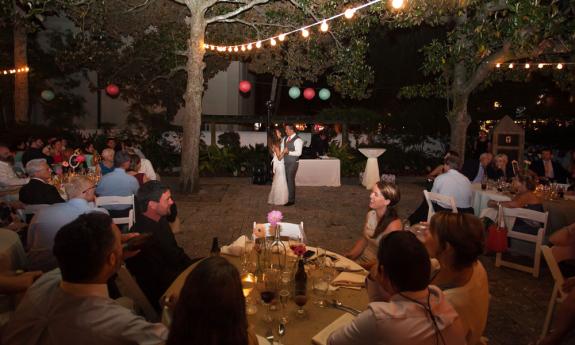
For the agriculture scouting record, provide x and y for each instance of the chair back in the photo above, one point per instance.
(553, 267)
(119, 200)
(129, 287)
(439, 198)
(286, 230)
(557, 296)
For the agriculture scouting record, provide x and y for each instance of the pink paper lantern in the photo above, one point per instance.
(309, 93)
(112, 90)
(245, 86)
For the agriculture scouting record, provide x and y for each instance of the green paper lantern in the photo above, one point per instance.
(294, 92)
(47, 95)
(324, 94)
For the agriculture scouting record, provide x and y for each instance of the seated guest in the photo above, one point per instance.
(17, 283)
(162, 260)
(525, 198)
(57, 151)
(563, 241)
(107, 163)
(454, 184)
(71, 305)
(118, 183)
(111, 144)
(417, 313)
(456, 241)
(89, 152)
(381, 219)
(46, 224)
(38, 190)
(500, 168)
(8, 178)
(476, 170)
(129, 146)
(36, 145)
(564, 321)
(133, 170)
(440, 169)
(223, 320)
(147, 169)
(548, 168)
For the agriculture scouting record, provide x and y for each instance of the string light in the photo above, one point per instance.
(323, 27)
(24, 69)
(527, 66)
(559, 66)
(510, 66)
(397, 4)
(540, 65)
(498, 65)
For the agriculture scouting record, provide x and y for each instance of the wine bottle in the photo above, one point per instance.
(215, 247)
(300, 279)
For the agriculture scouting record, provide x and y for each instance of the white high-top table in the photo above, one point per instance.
(371, 173)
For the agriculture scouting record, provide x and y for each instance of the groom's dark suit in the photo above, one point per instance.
(291, 162)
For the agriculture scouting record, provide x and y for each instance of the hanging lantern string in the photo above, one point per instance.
(528, 65)
(24, 69)
(304, 30)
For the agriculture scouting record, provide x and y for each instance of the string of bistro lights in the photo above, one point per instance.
(539, 65)
(24, 69)
(304, 31)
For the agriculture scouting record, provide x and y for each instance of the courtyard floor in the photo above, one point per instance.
(333, 219)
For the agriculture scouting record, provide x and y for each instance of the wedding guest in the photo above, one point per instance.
(89, 153)
(133, 170)
(564, 321)
(128, 145)
(563, 241)
(71, 305)
(159, 263)
(8, 178)
(118, 183)
(46, 224)
(476, 169)
(525, 198)
(223, 320)
(14, 284)
(416, 313)
(501, 168)
(440, 169)
(111, 144)
(147, 169)
(548, 168)
(454, 184)
(39, 190)
(36, 145)
(456, 241)
(381, 220)
(107, 163)
(56, 150)
(482, 144)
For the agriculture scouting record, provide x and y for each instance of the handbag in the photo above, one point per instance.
(497, 235)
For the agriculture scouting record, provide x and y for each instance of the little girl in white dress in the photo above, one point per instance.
(279, 193)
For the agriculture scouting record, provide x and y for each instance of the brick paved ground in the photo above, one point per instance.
(333, 218)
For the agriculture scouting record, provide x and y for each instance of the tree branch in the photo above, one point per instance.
(487, 66)
(311, 14)
(170, 74)
(137, 7)
(235, 12)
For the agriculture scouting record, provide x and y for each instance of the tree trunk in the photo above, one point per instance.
(190, 174)
(459, 120)
(21, 98)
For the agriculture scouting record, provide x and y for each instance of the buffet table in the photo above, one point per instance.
(319, 172)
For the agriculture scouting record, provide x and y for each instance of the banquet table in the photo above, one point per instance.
(298, 330)
(12, 254)
(561, 212)
(371, 173)
(319, 172)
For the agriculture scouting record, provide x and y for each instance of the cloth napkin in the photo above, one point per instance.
(349, 280)
(236, 248)
(341, 263)
(321, 337)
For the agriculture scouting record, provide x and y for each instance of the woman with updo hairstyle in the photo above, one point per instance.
(381, 219)
(456, 240)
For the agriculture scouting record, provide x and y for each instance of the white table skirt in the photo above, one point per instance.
(318, 172)
(371, 173)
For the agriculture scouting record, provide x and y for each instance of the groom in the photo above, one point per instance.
(292, 150)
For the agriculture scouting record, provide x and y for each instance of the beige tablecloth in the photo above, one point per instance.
(318, 172)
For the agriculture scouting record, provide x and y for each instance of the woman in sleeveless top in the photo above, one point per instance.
(279, 193)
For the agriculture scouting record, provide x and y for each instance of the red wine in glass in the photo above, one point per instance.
(300, 300)
(267, 296)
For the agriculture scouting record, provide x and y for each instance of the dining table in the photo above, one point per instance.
(561, 211)
(299, 330)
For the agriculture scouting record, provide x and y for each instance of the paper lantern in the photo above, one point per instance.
(324, 94)
(309, 93)
(112, 90)
(294, 92)
(245, 86)
(47, 95)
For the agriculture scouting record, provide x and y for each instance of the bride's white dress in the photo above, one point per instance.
(279, 193)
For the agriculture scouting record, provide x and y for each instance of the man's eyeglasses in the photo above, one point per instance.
(88, 189)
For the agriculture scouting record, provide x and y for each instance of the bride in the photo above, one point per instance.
(279, 193)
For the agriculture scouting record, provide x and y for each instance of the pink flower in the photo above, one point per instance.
(299, 250)
(274, 217)
(80, 159)
(65, 164)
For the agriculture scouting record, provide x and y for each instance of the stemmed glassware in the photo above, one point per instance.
(249, 281)
(284, 298)
(268, 286)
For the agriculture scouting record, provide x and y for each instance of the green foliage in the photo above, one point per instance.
(239, 161)
(230, 140)
(352, 161)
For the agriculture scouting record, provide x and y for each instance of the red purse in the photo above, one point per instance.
(497, 235)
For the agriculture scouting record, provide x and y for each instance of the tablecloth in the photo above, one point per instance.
(318, 172)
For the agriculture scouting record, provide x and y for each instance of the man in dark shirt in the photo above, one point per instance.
(161, 260)
(38, 190)
(35, 151)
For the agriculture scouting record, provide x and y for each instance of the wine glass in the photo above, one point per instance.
(300, 300)
(248, 248)
(249, 281)
(268, 287)
(322, 279)
(284, 298)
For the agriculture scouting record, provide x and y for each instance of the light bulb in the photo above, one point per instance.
(397, 4)
(527, 65)
(305, 33)
(324, 27)
(498, 65)
(559, 66)
(510, 65)
(282, 37)
(205, 46)
(243, 48)
(273, 42)
(349, 13)
(258, 44)
(236, 49)
(230, 49)
(249, 46)
(540, 65)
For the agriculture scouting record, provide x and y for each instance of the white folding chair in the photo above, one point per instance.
(439, 198)
(287, 230)
(129, 287)
(557, 296)
(119, 200)
(527, 214)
